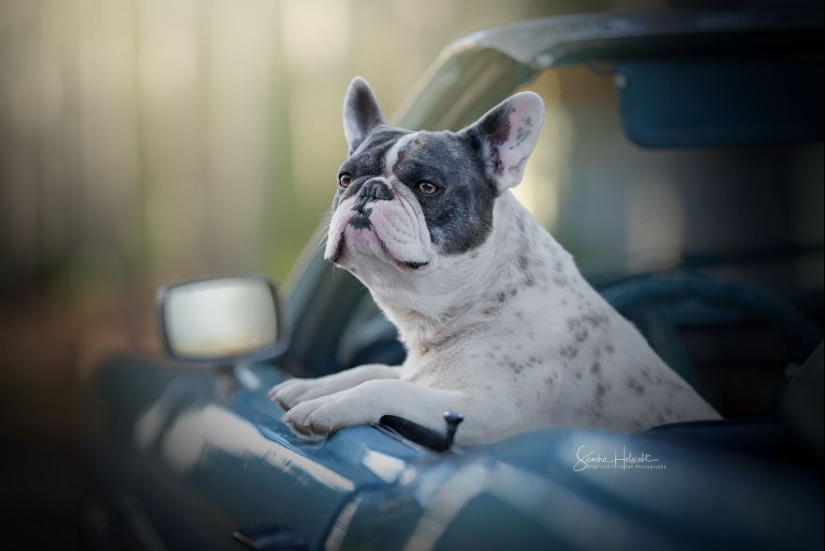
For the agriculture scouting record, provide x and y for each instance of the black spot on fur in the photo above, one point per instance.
(635, 386)
(595, 368)
(514, 366)
(577, 327)
(569, 351)
(524, 132)
(361, 221)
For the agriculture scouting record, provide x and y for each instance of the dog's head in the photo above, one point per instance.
(406, 200)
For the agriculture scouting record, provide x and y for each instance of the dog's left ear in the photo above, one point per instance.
(361, 113)
(507, 135)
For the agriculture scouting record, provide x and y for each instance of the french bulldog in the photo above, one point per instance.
(497, 321)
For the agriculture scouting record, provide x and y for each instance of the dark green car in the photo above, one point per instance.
(681, 160)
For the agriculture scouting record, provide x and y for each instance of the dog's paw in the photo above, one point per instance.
(323, 416)
(294, 391)
(309, 420)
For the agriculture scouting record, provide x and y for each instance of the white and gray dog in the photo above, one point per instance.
(497, 321)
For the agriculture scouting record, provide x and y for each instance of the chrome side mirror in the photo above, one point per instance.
(224, 320)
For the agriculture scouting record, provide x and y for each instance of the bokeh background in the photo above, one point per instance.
(149, 141)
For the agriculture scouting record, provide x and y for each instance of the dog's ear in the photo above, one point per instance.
(361, 113)
(506, 136)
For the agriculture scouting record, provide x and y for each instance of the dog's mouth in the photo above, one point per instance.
(340, 253)
(414, 265)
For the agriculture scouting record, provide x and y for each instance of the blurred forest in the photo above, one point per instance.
(148, 141)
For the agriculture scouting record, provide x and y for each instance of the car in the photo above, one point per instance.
(190, 453)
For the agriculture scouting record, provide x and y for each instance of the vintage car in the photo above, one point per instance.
(191, 454)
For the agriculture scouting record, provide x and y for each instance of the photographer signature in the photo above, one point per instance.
(592, 459)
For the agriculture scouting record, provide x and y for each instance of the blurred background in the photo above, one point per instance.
(149, 141)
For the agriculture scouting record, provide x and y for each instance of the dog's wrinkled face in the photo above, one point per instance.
(405, 199)
(406, 196)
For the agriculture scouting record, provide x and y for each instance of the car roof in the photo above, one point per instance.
(475, 71)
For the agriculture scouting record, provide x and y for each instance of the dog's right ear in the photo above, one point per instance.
(361, 113)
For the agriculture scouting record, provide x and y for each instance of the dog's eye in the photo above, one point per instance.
(427, 188)
(344, 180)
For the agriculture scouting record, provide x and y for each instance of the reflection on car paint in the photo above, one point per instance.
(215, 430)
(150, 423)
(340, 527)
(386, 467)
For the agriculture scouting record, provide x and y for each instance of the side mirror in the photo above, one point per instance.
(224, 320)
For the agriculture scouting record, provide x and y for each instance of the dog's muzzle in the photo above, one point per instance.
(376, 189)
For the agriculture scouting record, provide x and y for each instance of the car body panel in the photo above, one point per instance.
(218, 432)
(218, 435)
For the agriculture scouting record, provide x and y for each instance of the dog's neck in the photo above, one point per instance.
(473, 289)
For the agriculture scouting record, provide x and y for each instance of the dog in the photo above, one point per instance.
(497, 322)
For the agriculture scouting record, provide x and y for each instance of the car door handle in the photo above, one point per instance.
(422, 435)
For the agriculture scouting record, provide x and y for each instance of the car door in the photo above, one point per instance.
(199, 458)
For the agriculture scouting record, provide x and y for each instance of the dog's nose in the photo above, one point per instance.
(376, 189)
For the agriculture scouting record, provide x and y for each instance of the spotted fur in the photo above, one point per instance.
(498, 323)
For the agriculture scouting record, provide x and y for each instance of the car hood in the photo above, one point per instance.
(213, 438)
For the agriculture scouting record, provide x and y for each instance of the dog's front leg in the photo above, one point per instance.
(294, 391)
(366, 403)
